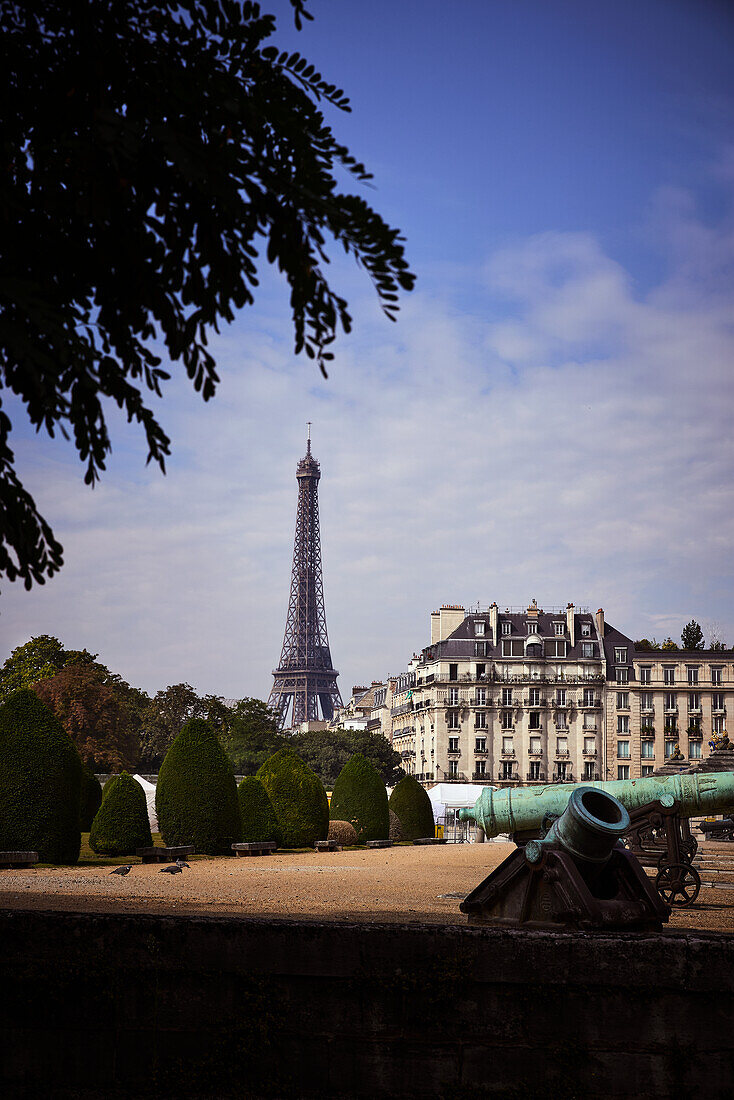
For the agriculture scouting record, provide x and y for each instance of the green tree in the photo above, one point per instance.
(38, 659)
(327, 751)
(249, 735)
(359, 796)
(646, 645)
(412, 806)
(40, 782)
(150, 152)
(692, 636)
(258, 816)
(121, 824)
(196, 794)
(298, 798)
(668, 644)
(166, 714)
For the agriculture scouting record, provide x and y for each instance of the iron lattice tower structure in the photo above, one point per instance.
(305, 676)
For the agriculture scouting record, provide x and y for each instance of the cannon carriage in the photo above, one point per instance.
(661, 839)
(722, 829)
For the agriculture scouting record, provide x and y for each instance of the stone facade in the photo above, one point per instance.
(529, 695)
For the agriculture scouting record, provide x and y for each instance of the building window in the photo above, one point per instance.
(620, 656)
(669, 674)
(588, 697)
(506, 628)
(717, 700)
(623, 771)
(453, 672)
(508, 746)
(669, 748)
(588, 649)
(623, 700)
(512, 648)
(481, 672)
(646, 700)
(534, 769)
(480, 744)
(561, 697)
(694, 750)
(589, 767)
(623, 750)
(715, 675)
(671, 700)
(586, 630)
(622, 675)
(452, 720)
(559, 629)
(562, 746)
(453, 744)
(480, 720)
(507, 766)
(534, 722)
(717, 724)
(692, 674)
(694, 701)
(480, 767)
(623, 723)
(506, 697)
(647, 769)
(480, 649)
(647, 750)
(479, 628)
(453, 697)
(561, 719)
(694, 725)
(589, 744)
(645, 674)
(555, 648)
(534, 697)
(535, 746)
(532, 628)
(481, 697)
(507, 720)
(453, 767)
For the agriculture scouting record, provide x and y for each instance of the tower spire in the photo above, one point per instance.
(305, 677)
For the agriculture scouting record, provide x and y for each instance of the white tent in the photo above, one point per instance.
(453, 796)
(149, 789)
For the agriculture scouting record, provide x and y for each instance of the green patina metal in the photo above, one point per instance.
(517, 809)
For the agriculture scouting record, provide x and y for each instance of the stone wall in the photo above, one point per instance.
(113, 1006)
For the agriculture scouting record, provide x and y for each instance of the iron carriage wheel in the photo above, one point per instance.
(678, 884)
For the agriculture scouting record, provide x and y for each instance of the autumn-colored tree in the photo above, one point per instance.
(86, 698)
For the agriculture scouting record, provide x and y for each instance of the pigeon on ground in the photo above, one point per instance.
(171, 870)
(122, 870)
(181, 863)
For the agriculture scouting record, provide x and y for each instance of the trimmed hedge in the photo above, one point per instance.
(196, 795)
(298, 798)
(91, 798)
(343, 832)
(359, 796)
(258, 816)
(121, 824)
(413, 808)
(40, 782)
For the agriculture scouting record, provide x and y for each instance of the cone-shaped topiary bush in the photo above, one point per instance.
(413, 808)
(298, 798)
(121, 823)
(196, 795)
(359, 796)
(40, 782)
(258, 816)
(91, 798)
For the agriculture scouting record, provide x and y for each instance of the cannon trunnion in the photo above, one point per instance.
(577, 876)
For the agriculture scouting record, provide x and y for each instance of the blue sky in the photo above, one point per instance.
(552, 415)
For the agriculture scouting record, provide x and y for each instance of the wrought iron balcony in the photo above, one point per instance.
(539, 778)
(512, 778)
(480, 775)
(590, 752)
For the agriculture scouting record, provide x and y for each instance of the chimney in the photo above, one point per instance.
(571, 624)
(435, 627)
(600, 623)
(493, 622)
(450, 616)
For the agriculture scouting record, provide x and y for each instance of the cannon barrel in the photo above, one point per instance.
(523, 808)
(588, 828)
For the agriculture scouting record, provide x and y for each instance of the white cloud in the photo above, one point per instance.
(577, 448)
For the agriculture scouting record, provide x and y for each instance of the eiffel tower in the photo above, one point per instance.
(305, 676)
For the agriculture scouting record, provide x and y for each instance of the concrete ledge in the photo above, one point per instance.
(327, 846)
(113, 1006)
(379, 844)
(255, 848)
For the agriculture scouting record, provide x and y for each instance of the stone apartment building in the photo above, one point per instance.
(530, 695)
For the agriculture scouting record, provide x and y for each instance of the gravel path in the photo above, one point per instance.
(395, 884)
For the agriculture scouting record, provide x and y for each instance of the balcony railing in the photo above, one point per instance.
(481, 752)
(534, 701)
(591, 777)
(535, 752)
(511, 778)
(562, 754)
(480, 775)
(590, 752)
(562, 777)
(589, 704)
(539, 778)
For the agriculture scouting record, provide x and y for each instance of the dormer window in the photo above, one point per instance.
(479, 627)
(532, 627)
(559, 629)
(620, 656)
(586, 630)
(506, 628)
